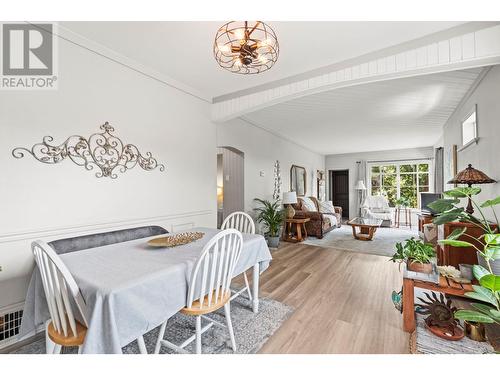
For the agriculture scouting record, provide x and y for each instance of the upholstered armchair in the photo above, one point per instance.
(377, 207)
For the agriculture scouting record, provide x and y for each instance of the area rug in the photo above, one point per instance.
(422, 341)
(251, 330)
(383, 241)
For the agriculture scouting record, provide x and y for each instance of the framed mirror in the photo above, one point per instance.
(298, 180)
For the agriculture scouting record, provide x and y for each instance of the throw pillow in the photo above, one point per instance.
(326, 207)
(308, 204)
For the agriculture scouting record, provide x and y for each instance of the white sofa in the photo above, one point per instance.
(377, 207)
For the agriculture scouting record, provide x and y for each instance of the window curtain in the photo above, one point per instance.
(361, 175)
(439, 170)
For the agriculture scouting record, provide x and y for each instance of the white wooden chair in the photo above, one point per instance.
(209, 288)
(242, 222)
(61, 291)
(59, 286)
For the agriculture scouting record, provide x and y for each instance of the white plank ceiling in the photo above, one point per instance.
(394, 114)
(183, 50)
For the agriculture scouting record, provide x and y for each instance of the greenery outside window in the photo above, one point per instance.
(404, 179)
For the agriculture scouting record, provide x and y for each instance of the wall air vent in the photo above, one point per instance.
(10, 324)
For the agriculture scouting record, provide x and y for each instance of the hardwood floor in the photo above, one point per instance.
(342, 302)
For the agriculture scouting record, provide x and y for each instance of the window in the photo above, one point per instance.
(400, 180)
(469, 128)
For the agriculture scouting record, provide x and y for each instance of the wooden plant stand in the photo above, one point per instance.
(445, 286)
(406, 214)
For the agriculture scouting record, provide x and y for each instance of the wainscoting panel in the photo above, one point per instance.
(15, 248)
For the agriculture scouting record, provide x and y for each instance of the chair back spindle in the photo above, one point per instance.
(240, 221)
(60, 290)
(213, 271)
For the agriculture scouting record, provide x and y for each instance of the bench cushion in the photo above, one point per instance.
(68, 245)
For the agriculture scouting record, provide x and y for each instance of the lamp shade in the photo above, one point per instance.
(360, 185)
(471, 176)
(289, 197)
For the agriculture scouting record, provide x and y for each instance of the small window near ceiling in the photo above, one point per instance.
(469, 128)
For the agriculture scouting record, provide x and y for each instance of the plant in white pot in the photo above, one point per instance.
(271, 215)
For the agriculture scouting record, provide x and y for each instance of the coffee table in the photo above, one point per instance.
(367, 228)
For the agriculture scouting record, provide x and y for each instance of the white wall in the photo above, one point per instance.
(261, 150)
(41, 201)
(348, 161)
(485, 155)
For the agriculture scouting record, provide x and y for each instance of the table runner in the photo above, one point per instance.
(130, 288)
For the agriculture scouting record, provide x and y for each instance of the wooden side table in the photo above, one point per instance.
(407, 216)
(299, 225)
(445, 286)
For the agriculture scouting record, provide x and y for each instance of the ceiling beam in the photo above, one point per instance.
(480, 47)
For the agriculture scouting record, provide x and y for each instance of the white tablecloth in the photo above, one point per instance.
(131, 288)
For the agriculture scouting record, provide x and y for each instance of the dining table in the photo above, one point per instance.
(130, 287)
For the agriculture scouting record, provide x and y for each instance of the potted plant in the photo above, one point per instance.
(416, 254)
(271, 215)
(402, 202)
(487, 293)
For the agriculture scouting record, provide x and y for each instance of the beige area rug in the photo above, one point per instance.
(383, 241)
(251, 330)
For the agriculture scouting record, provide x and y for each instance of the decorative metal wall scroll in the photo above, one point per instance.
(102, 150)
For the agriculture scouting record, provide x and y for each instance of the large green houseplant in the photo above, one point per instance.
(271, 215)
(487, 293)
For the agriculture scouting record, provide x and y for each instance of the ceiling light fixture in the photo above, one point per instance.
(246, 47)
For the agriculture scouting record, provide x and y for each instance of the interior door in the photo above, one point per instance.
(339, 190)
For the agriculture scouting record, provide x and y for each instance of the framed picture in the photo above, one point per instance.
(298, 180)
(451, 165)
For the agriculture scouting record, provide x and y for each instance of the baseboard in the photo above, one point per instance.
(19, 344)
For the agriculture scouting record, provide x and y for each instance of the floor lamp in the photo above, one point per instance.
(360, 187)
